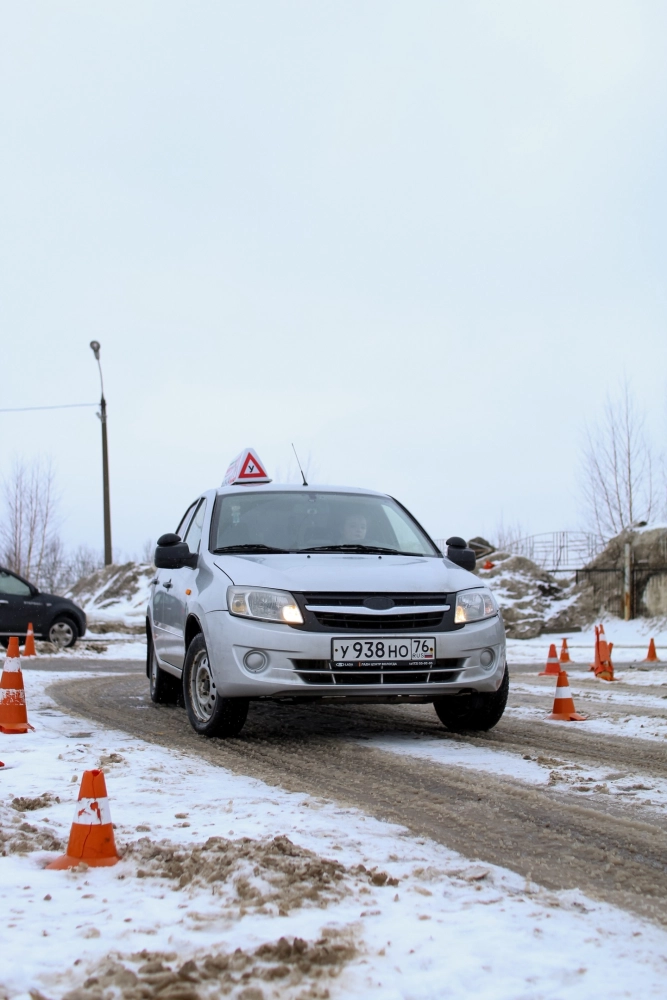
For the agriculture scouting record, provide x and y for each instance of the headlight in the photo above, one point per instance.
(267, 605)
(473, 605)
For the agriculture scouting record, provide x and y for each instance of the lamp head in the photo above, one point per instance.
(95, 348)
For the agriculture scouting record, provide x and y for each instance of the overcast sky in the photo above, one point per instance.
(422, 240)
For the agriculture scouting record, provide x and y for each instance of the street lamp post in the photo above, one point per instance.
(95, 348)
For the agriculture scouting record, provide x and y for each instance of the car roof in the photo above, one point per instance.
(294, 488)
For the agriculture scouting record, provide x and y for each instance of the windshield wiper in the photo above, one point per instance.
(248, 547)
(352, 547)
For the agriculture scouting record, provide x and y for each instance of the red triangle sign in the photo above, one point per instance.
(251, 469)
(246, 468)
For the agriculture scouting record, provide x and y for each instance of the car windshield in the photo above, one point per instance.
(285, 521)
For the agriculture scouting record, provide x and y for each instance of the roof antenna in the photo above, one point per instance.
(299, 464)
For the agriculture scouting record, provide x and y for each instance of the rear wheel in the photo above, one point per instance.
(209, 713)
(474, 712)
(164, 688)
(63, 632)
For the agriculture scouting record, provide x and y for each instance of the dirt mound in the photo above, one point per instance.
(25, 804)
(279, 968)
(20, 837)
(266, 875)
(115, 597)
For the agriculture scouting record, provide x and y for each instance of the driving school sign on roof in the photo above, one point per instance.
(245, 468)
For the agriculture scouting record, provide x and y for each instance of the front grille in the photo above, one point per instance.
(324, 672)
(336, 617)
(354, 600)
(379, 623)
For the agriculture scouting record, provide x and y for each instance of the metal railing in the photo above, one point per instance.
(558, 551)
(554, 551)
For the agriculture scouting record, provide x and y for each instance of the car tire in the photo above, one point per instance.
(476, 712)
(62, 632)
(209, 713)
(164, 688)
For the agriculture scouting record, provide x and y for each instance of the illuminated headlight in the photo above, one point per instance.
(473, 605)
(266, 605)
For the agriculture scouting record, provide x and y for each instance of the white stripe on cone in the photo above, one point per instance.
(15, 695)
(562, 692)
(92, 812)
(10, 668)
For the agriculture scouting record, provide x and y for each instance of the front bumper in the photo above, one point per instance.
(229, 639)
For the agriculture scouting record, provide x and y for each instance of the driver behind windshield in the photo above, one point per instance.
(354, 529)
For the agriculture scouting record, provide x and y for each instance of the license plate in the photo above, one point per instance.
(364, 652)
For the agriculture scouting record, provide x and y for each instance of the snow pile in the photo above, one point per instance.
(115, 598)
(231, 887)
(534, 601)
(530, 599)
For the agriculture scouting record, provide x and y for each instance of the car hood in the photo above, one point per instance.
(334, 572)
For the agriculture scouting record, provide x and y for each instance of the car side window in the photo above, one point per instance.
(10, 584)
(183, 524)
(193, 535)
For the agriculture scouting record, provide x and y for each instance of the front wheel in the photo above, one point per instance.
(210, 714)
(63, 632)
(476, 712)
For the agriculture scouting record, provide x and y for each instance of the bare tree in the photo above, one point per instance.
(30, 521)
(617, 480)
(83, 562)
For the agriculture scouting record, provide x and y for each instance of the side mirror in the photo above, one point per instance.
(459, 553)
(172, 553)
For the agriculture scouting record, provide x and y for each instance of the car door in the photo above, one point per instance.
(164, 584)
(15, 613)
(182, 585)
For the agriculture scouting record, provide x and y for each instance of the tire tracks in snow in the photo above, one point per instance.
(599, 847)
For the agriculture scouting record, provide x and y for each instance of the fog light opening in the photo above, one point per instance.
(486, 657)
(255, 661)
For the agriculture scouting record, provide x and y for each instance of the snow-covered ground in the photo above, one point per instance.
(375, 911)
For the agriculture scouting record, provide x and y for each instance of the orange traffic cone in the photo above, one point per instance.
(651, 656)
(595, 665)
(563, 703)
(565, 653)
(91, 838)
(488, 564)
(553, 663)
(13, 713)
(605, 671)
(29, 647)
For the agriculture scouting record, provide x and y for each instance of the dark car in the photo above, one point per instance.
(55, 619)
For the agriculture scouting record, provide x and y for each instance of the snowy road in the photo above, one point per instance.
(567, 805)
